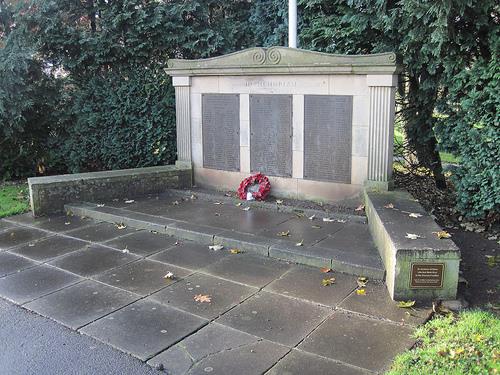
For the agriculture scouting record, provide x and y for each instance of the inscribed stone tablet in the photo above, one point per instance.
(271, 134)
(327, 137)
(221, 131)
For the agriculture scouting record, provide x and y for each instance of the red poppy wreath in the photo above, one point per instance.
(256, 186)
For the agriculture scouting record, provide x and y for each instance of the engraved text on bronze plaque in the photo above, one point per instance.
(427, 275)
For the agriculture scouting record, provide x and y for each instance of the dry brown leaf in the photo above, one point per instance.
(279, 201)
(325, 270)
(389, 205)
(203, 298)
(169, 275)
(328, 220)
(328, 281)
(360, 292)
(311, 217)
(442, 234)
(412, 236)
(129, 201)
(413, 214)
(361, 207)
(246, 209)
(193, 197)
(284, 233)
(215, 247)
(100, 205)
(175, 203)
(238, 204)
(218, 203)
(235, 251)
(301, 243)
(361, 281)
(120, 226)
(406, 304)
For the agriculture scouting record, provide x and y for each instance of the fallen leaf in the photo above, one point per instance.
(67, 223)
(412, 236)
(193, 197)
(360, 292)
(300, 214)
(129, 201)
(175, 203)
(342, 221)
(442, 234)
(492, 260)
(125, 251)
(100, 205)
(235, 251)
(311, 217)
(361, 207)
(389, 205)
(328, 219)
(361, 281)
(31, 244)
(203, 298)
(227, 194)
(120, 226)
(325, 270)
(218, 203)
(413, 214)
(328, 281)
(215, 247)
(301, 243)
(315, 226)
(217, 214)
(246, 209)
(279, 201)
(238, 204)
(177, 243)
(169, 275)
(284, 233)
(406, 304)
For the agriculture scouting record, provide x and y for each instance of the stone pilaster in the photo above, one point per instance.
(381, 130)
(183, 119)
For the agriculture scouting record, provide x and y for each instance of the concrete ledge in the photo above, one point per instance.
(49, 194)
(389, 221)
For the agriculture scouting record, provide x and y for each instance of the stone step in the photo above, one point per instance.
(341, 260)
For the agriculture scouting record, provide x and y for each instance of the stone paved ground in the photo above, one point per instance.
(265, 315)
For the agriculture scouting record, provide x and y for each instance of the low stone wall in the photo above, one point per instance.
(49, 194)
(423, 268)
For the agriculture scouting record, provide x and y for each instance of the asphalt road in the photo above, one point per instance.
(31, 344)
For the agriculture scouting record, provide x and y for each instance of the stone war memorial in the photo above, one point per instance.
(320, 128)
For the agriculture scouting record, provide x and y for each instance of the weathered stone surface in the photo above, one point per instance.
(306, 283)
(59, 223)
(298, 362)
(244, 242)
(142, 277)
(32, 283)
(248, 269)
(93, 260)
(82, 303)
(20, 235)
(274, 317)
(302, 230)
(50, 194)
(378, 303)
(10, 263)
(199, 233)
(224, 295)
(99, 232)
(352, 238)
(361, 342)
(48, 248)
(4, 225)
(311, 256)
(220, 350)
(189, 255)
(143, 243)
(144, 328)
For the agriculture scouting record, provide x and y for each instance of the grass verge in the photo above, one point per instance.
(13, 199)
(467, 343)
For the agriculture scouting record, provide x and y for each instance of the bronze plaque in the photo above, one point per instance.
(427, 275)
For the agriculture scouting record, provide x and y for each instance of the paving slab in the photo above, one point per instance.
(190, 255)
(311, 256)
(246, 242)
(10, 263)
(220, 350)
(194, 232)
(93, 260)
(302, 230)
(144, 328)
(366, 343)
(32, 283)
(298, 362)
(224, 295)
(82, 303)
(143, 243)
(306, 282)
(248, 269)
(19, 235)
(5, 224)
(281, 319)
(59, 223)
(49, 248)
(142, 277)
(353, 238)
(378, 303)
(99, 232)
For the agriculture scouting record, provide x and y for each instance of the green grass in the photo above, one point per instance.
(13, 199)
(468, 343)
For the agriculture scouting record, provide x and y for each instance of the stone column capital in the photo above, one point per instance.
(181, 81)
(381, 80)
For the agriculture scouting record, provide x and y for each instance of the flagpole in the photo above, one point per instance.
(292, 23)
